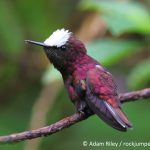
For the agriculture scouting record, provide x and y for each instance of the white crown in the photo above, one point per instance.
(58, 38)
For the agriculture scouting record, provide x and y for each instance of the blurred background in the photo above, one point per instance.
(116, 33)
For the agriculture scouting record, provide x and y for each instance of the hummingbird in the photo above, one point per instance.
(90, 86)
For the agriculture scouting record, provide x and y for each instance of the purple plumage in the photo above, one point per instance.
(90, 86)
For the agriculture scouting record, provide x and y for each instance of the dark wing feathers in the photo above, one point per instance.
(108, 110)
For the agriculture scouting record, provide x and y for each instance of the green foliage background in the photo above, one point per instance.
(24, 70)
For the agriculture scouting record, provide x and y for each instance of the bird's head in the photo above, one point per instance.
(62, 47)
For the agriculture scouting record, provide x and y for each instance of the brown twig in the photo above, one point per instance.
(68, 121)
(133, 96)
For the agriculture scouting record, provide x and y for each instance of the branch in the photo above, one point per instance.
(133, 96)
(68, 121)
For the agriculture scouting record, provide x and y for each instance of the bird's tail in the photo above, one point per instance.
(112, 116)
(122, 122)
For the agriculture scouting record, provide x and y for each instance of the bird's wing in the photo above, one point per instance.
(101, 97)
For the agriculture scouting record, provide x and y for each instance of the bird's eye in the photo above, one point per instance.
(63, 48)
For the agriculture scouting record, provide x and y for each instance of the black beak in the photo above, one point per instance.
(36, 43)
